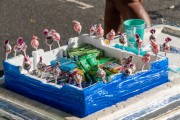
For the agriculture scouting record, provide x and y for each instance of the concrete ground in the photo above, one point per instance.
(29, 17)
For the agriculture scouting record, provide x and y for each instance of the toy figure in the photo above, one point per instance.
(56, 72)
(7, 48)
(166, 46)
(122, 40)
(27, 63)
(155, 47)
(77, 27)
(35, 43)
(139, 42)
(21, 46)
(40, 67)
(99, 31)
(92, 30)
(56, 37)
(152, 36)
(78, 78)
(145, 59)
(101, 73)
(49, 39)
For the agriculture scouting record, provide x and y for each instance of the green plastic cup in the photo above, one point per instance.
(133, 27)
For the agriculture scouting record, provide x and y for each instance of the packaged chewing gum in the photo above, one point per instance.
(113, 67)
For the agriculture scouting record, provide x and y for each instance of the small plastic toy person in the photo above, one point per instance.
(139, 42)
(101, 73)
(35, 43)
(27, 63)
(56, 37)
(110, 36)
(7, 48)
(40, 67)
(49, 39)
(56, 72)
(99, 31)
(152, 36)
(122, 40)
(78, 78)
(166, 46)
(92, 30)
(145, 59)
(155, 47)
(77, 26)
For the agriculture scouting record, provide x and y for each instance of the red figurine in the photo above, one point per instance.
(145, 59)
(77, 27)
(166, 46)
(139, 42)
(7, 48)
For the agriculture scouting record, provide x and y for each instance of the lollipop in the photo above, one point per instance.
(110, 36)
(35, 43)
(101, 73)
(21, 46)
(49, 40)
(56, 72)
(139, 42)
(145, 59)
(166, 46)
(56, 37)
(152, 37)
(7, 48)
(126, 62)
(92, 30)
(122, 40)
(99, 31)
(40, 66)
(27, 63)
(155, 47)
(130, 69)
(77, 26)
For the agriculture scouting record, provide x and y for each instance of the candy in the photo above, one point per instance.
(166, 46)
(49, 39)
(155, 47)
(139, 42)
(20, 46)
(101, 73)
(56, 72)
(145, 59)
(56, 37)
(110, 36)
(92, 30)
(7, 48)
(152, 37)
(77, 26)
(122, 40)
(40, 66)
(78, 78)
(35, 43)
(27, 63)
(100, 31)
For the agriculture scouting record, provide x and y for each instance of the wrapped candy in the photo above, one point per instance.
(78, 78)
(155, 47)
(122, 40)
(7, 48)
(130, 69)
(77, 26)
(56, 37)
(126, 63)
(139, 42)
(166, 46)
(145, 59)
(20, 46)
(152, 36)
(110, 36)
(27, 63)
(92, 30)
(56, 72)
(40, 67)
(101, 73)
(49, 39)
(35, 42)
(99, 31)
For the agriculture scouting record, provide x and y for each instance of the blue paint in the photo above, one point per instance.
(91, 99)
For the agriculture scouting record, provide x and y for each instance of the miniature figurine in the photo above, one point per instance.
(40, 66)
(110, 36)
(166, 46)
(99, 31)
(145, 59)
(21, 46)
(101, 73)
(77, 26)
(122, 40)
(92, 30)
(77, 78)
(35, 42)
(49, 39)
(56, 72)
(139, 42)
(155, 47)
(56, 37)
(152, 36)
(7, 48)
(27, 63)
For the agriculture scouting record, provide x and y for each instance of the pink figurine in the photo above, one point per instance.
(27, 63)
(56, 37)
(110, 36)
(145, 59)
(92, 30)
(35, 43)
(49, 39)
(77, 78)
(122, 40)
(152, 37)
(101, 73)
(77, 26)
(166, 46)
(155, 47)
(139, 42)
(7, 48)
(99, 31)
(21, 46)
(56, 72)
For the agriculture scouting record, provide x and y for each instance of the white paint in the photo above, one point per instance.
(81, 5)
